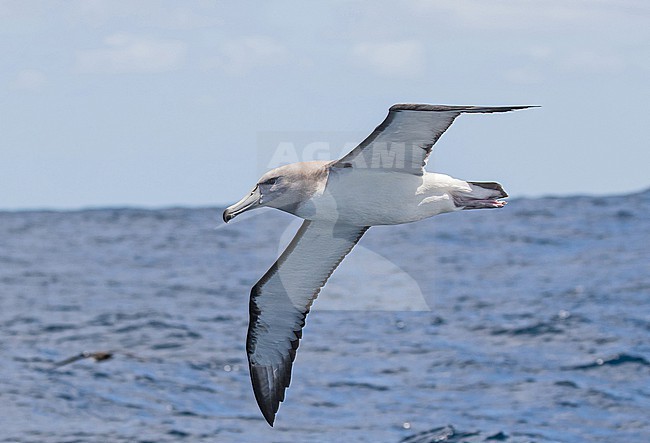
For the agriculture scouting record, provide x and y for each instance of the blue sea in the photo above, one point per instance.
(525, 324)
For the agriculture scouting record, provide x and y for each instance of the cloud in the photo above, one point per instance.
(540, 60)
(594, 61)
(524, 75)
(392, 59)
(147, 13)
(29, 80)
(527, 14)
(245, 54)
(127, 53)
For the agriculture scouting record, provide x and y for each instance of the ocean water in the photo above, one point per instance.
(526, 324)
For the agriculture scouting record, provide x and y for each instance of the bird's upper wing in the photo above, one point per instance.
(72, 359)
(281, 300)
(403, 141)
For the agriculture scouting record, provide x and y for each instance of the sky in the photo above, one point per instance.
(165, 103)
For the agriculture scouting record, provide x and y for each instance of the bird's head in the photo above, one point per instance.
(283, 188)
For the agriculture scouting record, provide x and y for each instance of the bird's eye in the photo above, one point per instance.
(270, 181)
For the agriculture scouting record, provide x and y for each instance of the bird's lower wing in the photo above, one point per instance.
(281, 300)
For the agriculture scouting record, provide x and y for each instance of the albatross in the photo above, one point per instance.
(380, 182)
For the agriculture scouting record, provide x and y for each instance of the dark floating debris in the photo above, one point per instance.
(444, 434)
(532, 330)
(554, 325)
(346, 384)
(566, 384)
(499, 436)
(98, 356)
(448, 434)
(616, 360)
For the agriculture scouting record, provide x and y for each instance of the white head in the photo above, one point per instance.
(284, 188)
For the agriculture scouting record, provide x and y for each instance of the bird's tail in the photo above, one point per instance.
(483, 195)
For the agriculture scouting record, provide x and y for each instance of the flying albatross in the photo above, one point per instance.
(380, 182)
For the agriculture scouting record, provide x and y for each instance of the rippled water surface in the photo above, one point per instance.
(527, 324)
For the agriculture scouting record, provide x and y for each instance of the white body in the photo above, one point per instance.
(369, 197)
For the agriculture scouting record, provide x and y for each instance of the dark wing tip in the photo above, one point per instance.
(263, 392)
(269, 385)
(447, 108)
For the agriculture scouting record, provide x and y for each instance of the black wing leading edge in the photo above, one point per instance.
(280, 302)
(403, 141)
